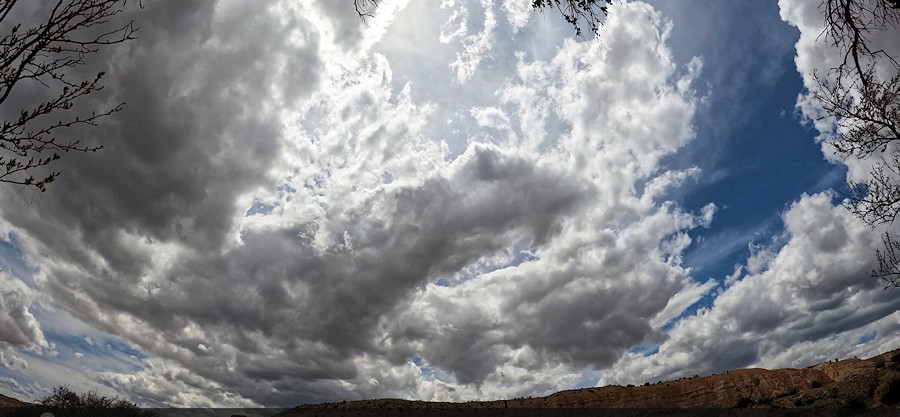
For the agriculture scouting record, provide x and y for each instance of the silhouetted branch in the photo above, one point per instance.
(576, 12)
(888, 262)
(866, 111)
(43, 54)
(591, 12)
(365, 8)
(848, 24)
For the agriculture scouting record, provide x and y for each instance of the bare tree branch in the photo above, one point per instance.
(888, 262)
(589, 12)
(576, 12)
(43, 54)
(866, 112)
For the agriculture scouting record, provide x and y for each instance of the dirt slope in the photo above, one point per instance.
(7, 402)
(846, 383)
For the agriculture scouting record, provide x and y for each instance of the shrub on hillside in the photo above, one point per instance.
(785, 392)
(854, 401)
(888, 390)
(64, 402)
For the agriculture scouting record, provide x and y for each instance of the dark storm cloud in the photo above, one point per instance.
(192, 137)
(281, 289)
(323, 290)
(197, 132)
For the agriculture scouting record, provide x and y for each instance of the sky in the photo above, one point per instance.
(447, 201)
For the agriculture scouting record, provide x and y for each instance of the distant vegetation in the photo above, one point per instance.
(64, 402)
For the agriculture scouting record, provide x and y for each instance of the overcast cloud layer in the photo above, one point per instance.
(277, 217)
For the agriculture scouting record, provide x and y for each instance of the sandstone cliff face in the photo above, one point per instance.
(846, 383)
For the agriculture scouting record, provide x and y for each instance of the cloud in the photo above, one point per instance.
(268, 217)
(804, 298)
(681, 301)
(25, 392)
(517, 12)
(807, 304)
(18, 327)
(475, 46)
(565, 308)
(162, 384)
(10, 360)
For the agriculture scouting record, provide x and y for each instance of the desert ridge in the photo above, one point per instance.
(853, 383)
